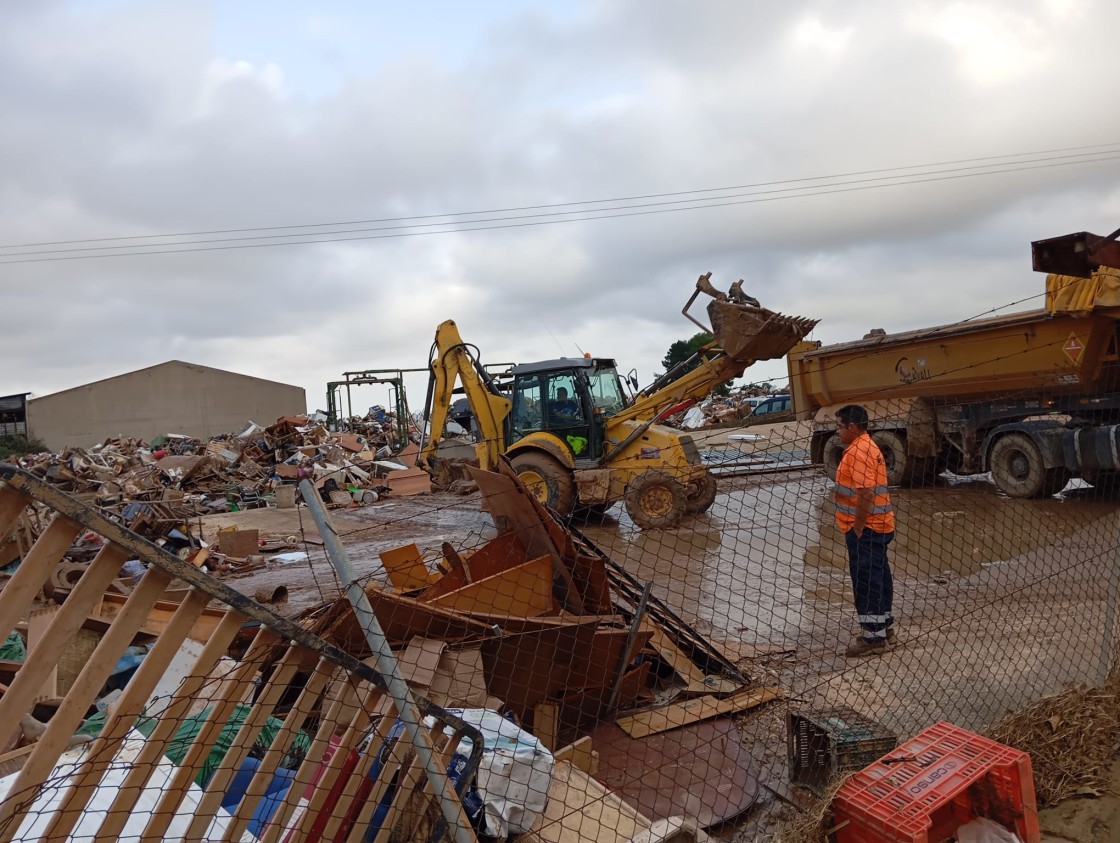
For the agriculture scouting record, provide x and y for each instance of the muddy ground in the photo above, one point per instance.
(999, 601)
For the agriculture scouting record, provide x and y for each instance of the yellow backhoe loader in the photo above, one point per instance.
(575, 437)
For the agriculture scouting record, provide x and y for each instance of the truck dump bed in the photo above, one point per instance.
(1060, 353)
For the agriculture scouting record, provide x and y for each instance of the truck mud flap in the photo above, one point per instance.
(123, 784)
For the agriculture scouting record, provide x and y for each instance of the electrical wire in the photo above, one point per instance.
(531, 220)
(573, 203)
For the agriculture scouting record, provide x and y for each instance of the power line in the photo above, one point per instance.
(533, 220)
(707, 200)
(567, 204)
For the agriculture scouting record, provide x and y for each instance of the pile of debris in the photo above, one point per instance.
(157, 486)
(719, 409)
(534, 633)
(540, 625)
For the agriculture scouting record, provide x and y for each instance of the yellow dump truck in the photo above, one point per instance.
(1032, 397)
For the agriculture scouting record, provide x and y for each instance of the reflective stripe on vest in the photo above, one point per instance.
(848, 490)
(846, 498)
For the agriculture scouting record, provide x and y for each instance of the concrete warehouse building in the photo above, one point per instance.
(172, 397)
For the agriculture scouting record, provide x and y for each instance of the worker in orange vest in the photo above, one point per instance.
(866, 518)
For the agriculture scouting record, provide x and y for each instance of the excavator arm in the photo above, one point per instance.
(452, 362)
(675, 392)
(744, 332)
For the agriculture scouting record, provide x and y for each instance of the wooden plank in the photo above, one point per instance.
(12, 505)
(497, 555)
(582, 711)
(546, 723)
(459, 680)
(524, 590)
(701, 771)
(523, 670)
(77, 702)
(419, 662)
(693, 711)
(580, 809)
(697, 682)
(161, 614)
(35, 569)
(513, 624)
(120, 720)
(137, 779)
(406, 568)
(401, 618)
(580, 754)
(516, 511)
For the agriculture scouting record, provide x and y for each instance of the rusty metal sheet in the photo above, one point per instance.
(1075, 254)
(699, 771)
(526, 669)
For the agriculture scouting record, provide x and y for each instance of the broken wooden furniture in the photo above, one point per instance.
(122, 783)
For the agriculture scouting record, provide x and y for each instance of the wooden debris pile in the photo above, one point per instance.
(545, 627)
(155, 487)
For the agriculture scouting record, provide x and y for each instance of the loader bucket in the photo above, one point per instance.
(749, 333)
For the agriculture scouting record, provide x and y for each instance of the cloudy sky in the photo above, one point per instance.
(552, 175)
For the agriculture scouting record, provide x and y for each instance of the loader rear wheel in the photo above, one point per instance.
(701, 494)
(1019, 471)
(549, 481)
(656, 501)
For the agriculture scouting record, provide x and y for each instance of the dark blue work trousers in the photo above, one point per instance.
(872, 582)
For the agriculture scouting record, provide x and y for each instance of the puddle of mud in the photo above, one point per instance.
(958, 529)
(741, 568)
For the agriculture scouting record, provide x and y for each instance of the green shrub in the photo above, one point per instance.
(17, 446)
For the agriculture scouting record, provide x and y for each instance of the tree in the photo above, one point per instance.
(681, 350)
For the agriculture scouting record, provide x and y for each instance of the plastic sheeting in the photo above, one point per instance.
(38, 815)
(1070, 294)
(513, 776)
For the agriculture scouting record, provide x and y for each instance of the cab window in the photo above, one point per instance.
(606, 391)
(564, 406)
(526, 412)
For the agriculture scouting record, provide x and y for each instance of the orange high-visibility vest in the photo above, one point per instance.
(863, 467)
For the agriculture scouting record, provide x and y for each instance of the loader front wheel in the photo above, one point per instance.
(548, 481)
(656, 501)
(701, 494)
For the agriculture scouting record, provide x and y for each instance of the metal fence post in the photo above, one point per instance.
(1104, 664)
(407, 710)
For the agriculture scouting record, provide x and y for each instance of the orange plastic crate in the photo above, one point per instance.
(949, 777)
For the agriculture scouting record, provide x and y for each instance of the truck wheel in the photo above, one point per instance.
(1018, 469)
(701, 495)
(655, 501)
(549, 481)
(832, 454)
(894, 453)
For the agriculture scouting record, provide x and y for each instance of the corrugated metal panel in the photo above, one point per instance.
(13, 402)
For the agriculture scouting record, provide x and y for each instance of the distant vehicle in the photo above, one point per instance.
(773, 404)
(754, 400)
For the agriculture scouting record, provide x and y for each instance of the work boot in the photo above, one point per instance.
(866, 647)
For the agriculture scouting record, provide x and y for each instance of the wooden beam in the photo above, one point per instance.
(693, 711)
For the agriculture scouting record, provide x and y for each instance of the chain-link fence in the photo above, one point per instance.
(596, 679)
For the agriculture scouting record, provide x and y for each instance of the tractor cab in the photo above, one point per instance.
(569, 398)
